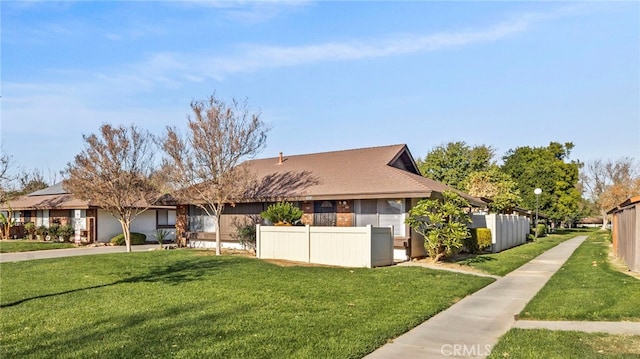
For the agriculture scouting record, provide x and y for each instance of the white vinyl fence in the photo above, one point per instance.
(340, 246)
(507, 230)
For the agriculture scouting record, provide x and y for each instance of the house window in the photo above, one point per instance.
(42, 218)
(166, 218)
(367, 212)
(200, 221)
(391, 213)
(382, 213)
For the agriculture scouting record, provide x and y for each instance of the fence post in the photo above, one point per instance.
(258, 251)
(369, 246)
(308, 231)
(392, 236)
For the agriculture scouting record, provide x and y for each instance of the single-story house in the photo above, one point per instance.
(625, 232)
(55, 205)
(357, 187)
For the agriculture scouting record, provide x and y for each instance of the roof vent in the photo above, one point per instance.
(280, 159)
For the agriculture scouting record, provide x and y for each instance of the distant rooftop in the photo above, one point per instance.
(55, 189)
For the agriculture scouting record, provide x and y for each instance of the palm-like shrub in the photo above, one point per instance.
(282, 213)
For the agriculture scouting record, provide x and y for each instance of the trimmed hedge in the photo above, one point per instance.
(541, 231)
(479, 239)
(136, 238)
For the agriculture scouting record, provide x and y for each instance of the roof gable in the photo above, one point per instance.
(375, 172)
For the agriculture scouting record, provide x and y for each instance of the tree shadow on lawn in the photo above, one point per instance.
(160, 332)
(175, 273)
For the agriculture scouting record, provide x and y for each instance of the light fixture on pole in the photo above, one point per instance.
(537, 192)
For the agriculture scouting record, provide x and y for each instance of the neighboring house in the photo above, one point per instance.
(625, 233)
(348, 188)
(54, 205)
(590, 222)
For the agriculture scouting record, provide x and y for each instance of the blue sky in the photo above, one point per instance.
(325, 75)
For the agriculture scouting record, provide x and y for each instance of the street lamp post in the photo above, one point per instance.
(537, 192)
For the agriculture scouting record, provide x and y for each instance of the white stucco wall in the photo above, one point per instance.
(145, 223)
(108, 226)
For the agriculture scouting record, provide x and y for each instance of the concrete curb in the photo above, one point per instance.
(625, 328)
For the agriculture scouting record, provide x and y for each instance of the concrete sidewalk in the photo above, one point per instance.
(71, 252)
(471, 327)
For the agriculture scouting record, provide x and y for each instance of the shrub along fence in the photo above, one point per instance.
(340, 246)
(507, 230)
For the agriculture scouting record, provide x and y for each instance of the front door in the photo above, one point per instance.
(324, 213)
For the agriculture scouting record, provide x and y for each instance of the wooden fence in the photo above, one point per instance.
(626, 235)
(340, 246)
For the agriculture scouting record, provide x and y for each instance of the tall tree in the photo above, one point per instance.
(549, 169)
(608, 183)
(453, 162)
(204, 165)
(113, 172)
(496, 186)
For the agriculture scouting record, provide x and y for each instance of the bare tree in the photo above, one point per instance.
(30, 181)
(609, 183)
(204, 165)
(5, 164)
(6, 194)
(113, 172)
(5, 178)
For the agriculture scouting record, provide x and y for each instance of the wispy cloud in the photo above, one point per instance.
(248, 12)
(171, 69)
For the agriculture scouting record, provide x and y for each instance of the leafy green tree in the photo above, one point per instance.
(496, 186)
(452, 163)
(549, 169)
(443, 223)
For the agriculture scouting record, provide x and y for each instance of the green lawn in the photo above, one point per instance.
(24, 245)
(189, 304)
(587, 288)
(542, 343)
(506, 261)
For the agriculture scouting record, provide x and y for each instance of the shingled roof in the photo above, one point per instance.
(375, 172)
(53, 197)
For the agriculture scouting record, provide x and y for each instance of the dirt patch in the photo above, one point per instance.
(619, 265)
(227, 252)
(284, 263)
(616, 344)
(427, 262)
